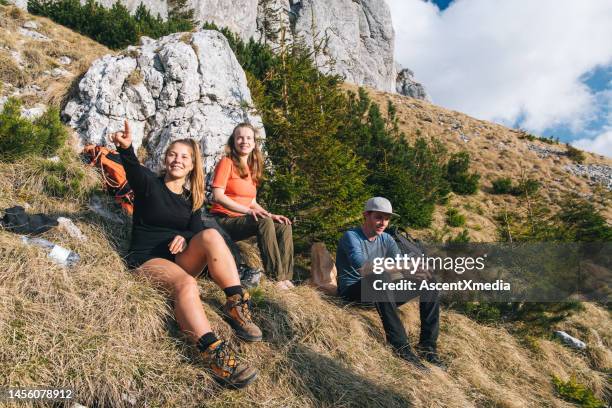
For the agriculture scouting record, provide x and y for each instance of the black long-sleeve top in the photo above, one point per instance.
(159, 214)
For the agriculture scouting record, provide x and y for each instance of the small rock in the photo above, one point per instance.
(33, 113)
(569, 340)
(16, 56)
(30, 24)
(64, 60)
(22, 4)
(128, 398)
(54, 159)
(59, 72)
(464, 137)
(33, 34)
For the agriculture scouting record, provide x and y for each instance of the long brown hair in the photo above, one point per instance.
(255, 160)
(196, 175)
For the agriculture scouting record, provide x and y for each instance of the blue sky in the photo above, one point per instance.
(545, 65)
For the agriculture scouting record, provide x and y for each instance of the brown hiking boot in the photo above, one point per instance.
(237, 311)
(225, 369)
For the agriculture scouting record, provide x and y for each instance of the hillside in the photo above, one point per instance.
(496, 151)
(109, 336)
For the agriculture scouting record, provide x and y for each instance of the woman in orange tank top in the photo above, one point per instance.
(237, 177)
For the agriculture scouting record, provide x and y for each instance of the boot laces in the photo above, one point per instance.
(223, 357)
(245, 306)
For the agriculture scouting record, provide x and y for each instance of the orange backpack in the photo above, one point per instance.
(113, 174)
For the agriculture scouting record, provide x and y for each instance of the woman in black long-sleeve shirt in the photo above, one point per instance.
(171, 247)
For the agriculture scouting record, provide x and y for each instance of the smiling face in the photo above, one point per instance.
(375, 222)
(244, 141)
(178, 161)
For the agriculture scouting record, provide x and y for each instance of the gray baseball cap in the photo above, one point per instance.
(379, 204)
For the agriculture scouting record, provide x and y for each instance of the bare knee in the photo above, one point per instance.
(211, 236)
(184, 286)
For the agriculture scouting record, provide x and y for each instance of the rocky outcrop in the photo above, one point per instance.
(240, 16)
(358, 34)
(595, 173)
(182, 85)
(407, 86)
(156, 7)
(359, 38)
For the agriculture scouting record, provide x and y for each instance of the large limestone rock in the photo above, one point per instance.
(360, 38)
(238, 15)
(182, 85)
(359, 32)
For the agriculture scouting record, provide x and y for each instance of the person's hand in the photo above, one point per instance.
(122, 139)
(258, 213)
(423, 274)
(281, 219)
(178, 245)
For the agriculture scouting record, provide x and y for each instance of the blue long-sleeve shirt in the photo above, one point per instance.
(354, 250)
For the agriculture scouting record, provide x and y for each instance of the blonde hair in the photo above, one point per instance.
(255, 160)
(196, 175)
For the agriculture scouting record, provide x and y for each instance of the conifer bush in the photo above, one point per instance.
(454, 218)
(461, 181)
(576, 155)
(329, 150)
(526, 187)
(412, 176)
(114, 27)
(502, 185)
(572, 391)
(20, 137)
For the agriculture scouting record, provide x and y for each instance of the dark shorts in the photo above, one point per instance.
(134, 260)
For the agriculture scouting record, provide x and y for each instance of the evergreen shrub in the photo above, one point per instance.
(20, 137)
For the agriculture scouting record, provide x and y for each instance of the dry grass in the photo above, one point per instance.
(10, 71)
(41, 56)
(98, 329)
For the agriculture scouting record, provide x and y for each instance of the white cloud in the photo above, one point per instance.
(508, 60)
(602, 144)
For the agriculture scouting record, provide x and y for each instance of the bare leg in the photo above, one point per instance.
(209, 247)
(183, 289)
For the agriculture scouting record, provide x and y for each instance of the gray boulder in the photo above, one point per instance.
(407, 86)
(182, 85)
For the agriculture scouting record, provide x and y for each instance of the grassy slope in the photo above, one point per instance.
(38, 58)
(101, 331)
(496, 151)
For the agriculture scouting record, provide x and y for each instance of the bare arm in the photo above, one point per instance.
(254, 210)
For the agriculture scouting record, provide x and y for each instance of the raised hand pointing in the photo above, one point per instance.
(122, 139)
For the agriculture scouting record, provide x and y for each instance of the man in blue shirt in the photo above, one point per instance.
(357, 250)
